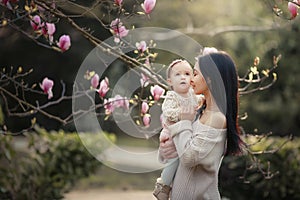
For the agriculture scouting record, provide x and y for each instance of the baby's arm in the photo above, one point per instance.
(171, 108)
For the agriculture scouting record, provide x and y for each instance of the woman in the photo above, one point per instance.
(201, 143)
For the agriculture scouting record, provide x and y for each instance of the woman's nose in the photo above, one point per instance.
(192, 83)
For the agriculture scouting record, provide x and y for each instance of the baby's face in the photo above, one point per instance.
(180, 77)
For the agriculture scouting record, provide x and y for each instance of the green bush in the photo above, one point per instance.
(43, 165)
(271, 175)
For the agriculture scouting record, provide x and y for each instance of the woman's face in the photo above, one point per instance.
(198, 82)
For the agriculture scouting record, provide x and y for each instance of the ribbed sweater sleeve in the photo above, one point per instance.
(193, 148)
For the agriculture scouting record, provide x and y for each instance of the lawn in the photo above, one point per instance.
(108, 178)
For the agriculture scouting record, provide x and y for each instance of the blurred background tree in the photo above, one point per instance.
(243, 29)
(247, 30)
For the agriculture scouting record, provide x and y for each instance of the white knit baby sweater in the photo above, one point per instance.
(200, 149)
(171, 107)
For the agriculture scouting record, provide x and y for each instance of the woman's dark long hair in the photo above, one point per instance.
(221, 77)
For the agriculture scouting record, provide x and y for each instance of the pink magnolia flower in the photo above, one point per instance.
(122, 31)
(118, 2)
(148, 6)
(108, 105)
(145, 107)
(64, 42)
(121, 102)
(118, 29)
(293, 8)
(115, 24)
(147, 62)
(208, 50)
(117, 102)
(44, 28)
(157, 92)
(141, 46)
(147, 119)
(47, 86)
(103, 89)
(35, 22)
(49, 29)
(144, 80)
(95, 81)
(7, 3)
(117, 40)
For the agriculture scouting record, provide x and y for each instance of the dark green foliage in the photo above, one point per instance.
(265, 176)
(42, 166)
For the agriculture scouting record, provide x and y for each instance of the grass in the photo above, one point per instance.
(126, 140)
(108, 178)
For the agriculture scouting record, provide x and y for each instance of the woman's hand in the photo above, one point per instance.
(167, 148)
(188, 113)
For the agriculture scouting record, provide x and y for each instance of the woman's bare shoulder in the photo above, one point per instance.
(216, 120)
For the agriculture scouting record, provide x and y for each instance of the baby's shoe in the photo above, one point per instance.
(161, 192)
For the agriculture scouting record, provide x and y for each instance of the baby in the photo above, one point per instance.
(179, 77)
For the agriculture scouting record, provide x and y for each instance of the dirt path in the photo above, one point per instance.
(109, 195)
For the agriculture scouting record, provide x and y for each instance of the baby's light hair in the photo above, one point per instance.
(172, 64)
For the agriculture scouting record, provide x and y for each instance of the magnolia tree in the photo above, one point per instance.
(39, 19)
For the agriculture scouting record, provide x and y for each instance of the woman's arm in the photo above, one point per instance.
(194, 148)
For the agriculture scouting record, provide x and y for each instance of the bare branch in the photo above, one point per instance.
(252, 78)
(132, 63)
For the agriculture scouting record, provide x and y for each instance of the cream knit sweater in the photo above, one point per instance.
(200, 149)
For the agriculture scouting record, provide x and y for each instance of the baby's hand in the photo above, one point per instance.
(164, 135)
(188, 113)
(201, 100)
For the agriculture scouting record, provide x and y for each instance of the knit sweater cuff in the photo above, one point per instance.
(183, 125)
